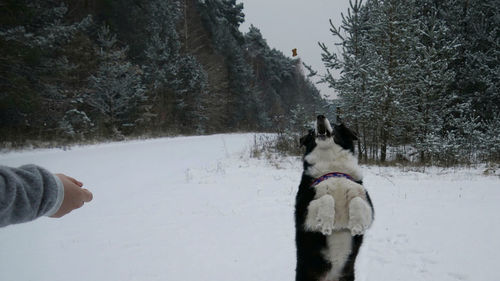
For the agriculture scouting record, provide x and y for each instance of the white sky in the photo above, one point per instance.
(301, 24)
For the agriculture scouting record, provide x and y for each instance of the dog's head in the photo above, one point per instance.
(325, 134)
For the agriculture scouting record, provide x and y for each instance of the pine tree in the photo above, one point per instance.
(476, 24)
(34, 66)
(357, 62)
(428, 76)
(223, 18)
(177, 81)
(426, 73)
(115, 91)
(75, 125)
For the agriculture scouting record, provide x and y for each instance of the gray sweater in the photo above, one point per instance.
(27, 193)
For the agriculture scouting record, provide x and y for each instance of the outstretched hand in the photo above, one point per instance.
(74, 195)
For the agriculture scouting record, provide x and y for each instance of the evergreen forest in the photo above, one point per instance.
(419, 79)
(107, 69)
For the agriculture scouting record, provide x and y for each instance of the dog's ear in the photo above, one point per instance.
(345, 137)
(351, 134)
(302, 141)
(307, 138)
(345, 132)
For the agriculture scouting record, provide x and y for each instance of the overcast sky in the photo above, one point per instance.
(288, 24)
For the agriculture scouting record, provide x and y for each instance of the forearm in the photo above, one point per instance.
(27, 193)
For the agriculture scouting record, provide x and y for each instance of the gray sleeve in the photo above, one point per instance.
(27, 193)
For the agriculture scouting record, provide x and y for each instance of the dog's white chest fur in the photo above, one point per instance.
(329, 157)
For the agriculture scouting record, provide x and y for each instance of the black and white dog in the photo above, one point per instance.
(332, 209)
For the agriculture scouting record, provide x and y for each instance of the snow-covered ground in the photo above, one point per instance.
(199, 208)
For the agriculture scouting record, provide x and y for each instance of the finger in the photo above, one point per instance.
(79, 204)
(80, 184)
(87, 195)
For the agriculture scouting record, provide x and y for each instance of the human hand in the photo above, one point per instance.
(74, 195)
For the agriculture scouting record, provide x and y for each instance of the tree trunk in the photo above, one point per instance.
(383, 147)
(365, 144)
(360, 154)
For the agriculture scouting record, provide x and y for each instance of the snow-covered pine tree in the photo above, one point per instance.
(356, 84)
(476, 24)
(116, 91)
(222, 19)
(461, 67)
(419, 73)
(489, 144)
(177, 82)
(75, 125)
(392, 38)
(271, 68)
(36, 82)
(432, 49)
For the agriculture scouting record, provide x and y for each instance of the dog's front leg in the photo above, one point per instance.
(360, 216)
(321, 215)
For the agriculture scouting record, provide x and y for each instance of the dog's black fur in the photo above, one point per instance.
(311, 264)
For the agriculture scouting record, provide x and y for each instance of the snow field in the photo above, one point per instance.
(433, 226)
(199, 208)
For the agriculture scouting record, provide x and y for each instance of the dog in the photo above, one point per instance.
(332, 209)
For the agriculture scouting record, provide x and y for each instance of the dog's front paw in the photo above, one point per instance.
(321, 215)
(357, 229)
(326, 217)
(360, 216)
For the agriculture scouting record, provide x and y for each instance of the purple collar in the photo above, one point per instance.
(331, 175)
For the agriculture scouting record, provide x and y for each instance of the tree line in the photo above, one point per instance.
(107, 69)
(419, 79)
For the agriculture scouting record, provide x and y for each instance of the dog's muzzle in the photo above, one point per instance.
(323, 127)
